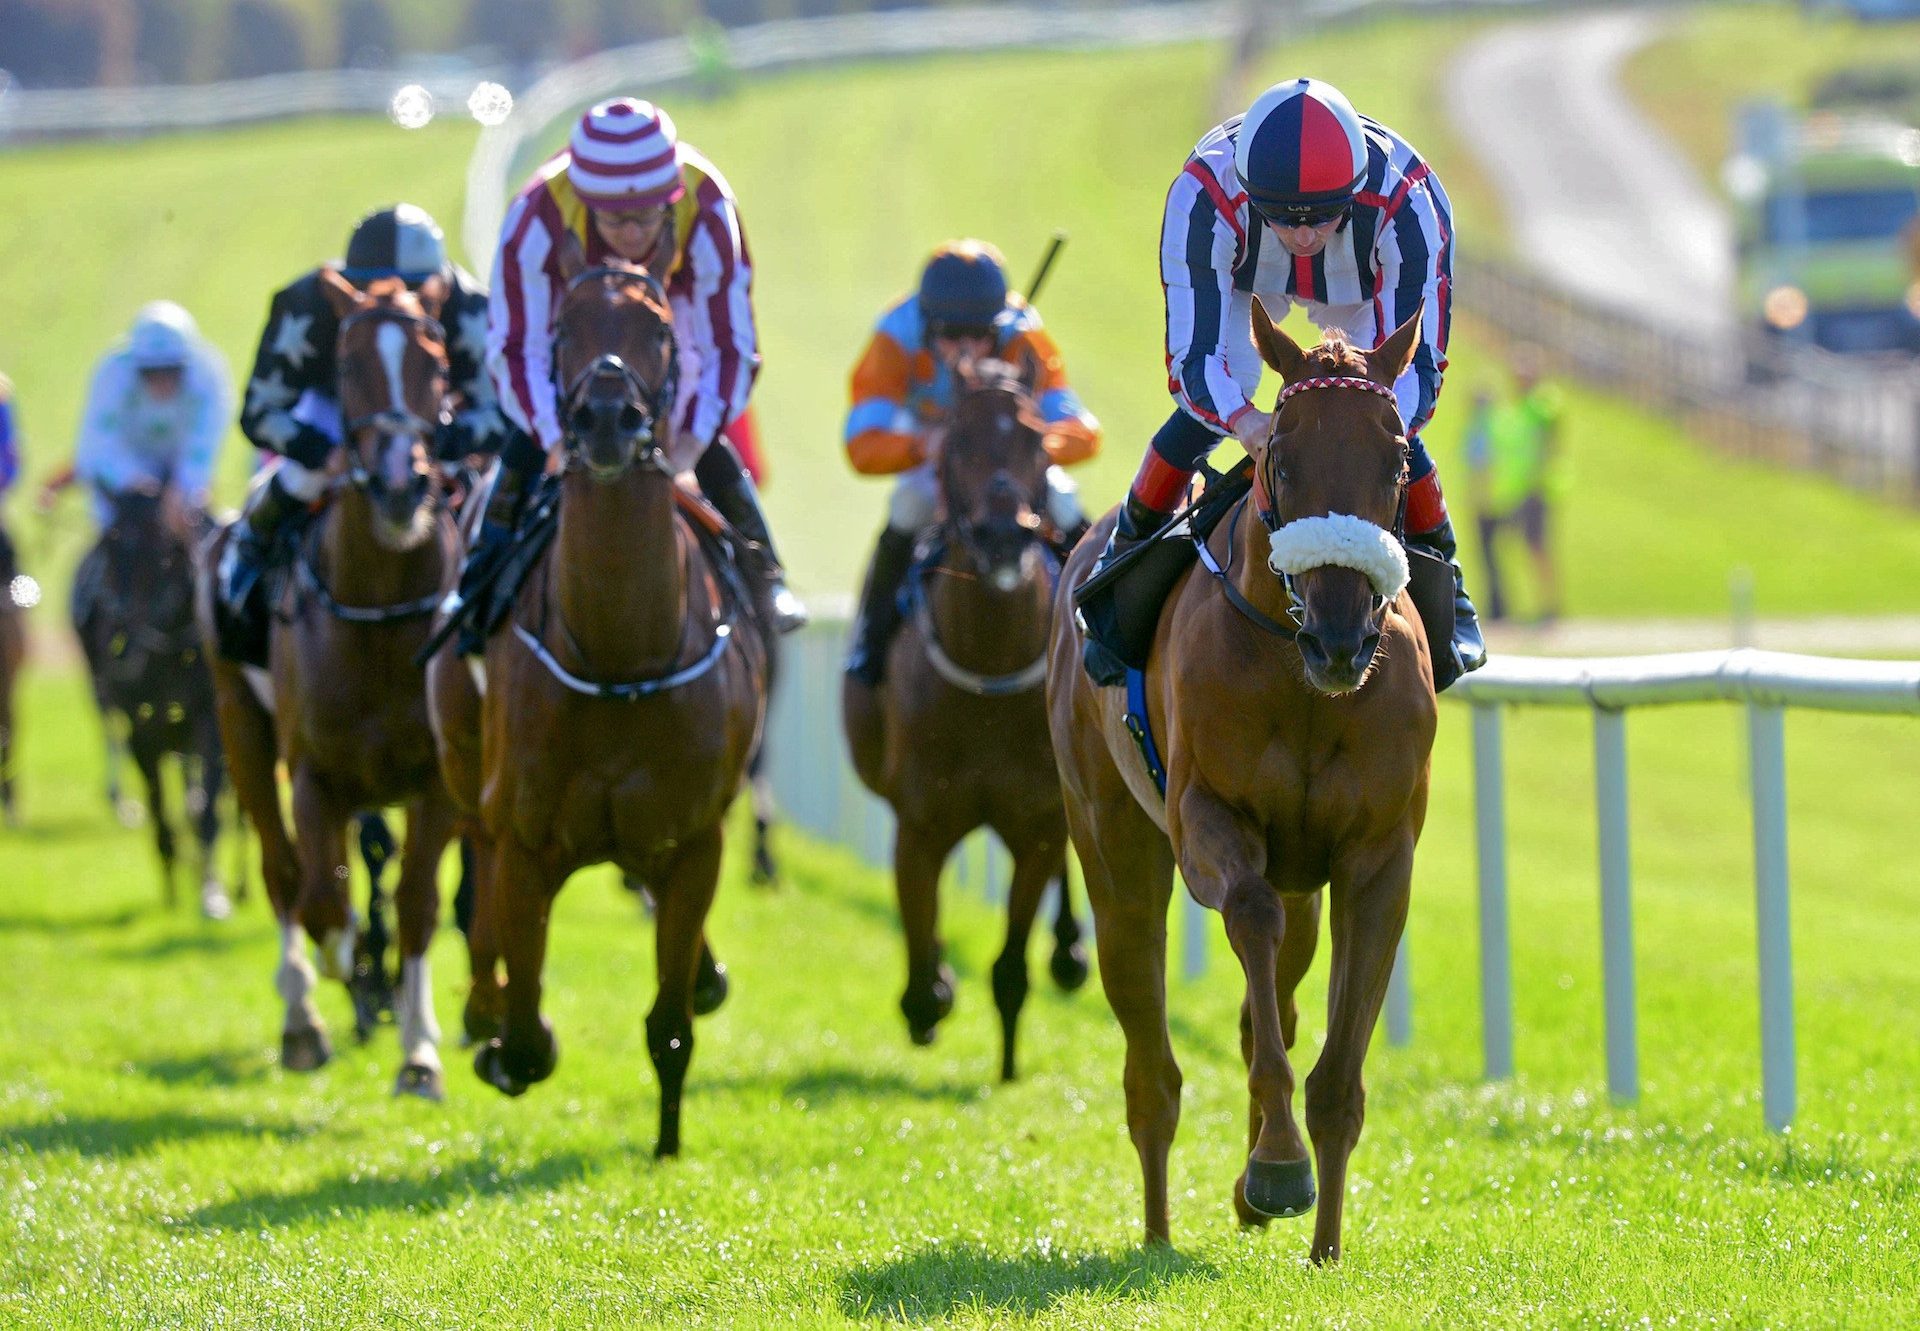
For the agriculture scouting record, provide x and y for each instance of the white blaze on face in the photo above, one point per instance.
(390, 339)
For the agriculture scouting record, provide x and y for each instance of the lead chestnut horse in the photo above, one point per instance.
(614, 711)
(348, 710)
(1295, 759)
(955, 737)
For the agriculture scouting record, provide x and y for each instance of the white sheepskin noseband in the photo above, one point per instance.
(1341, 540)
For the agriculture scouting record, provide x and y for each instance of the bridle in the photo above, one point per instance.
(955, 528)
(389, 423)
(1266, 484)
(645, 407)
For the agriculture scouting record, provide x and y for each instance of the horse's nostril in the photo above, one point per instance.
(630, 419)
(583, 418)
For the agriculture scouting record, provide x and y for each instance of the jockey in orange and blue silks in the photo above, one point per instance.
(626, 188)
(1302, 201)
(903, 392)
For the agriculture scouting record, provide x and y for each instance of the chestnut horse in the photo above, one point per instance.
(613, 712)
(348, 710)
(955, 737)
(1295, 758)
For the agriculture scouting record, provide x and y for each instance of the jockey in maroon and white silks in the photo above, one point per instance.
(1302, 201)
(625, 189)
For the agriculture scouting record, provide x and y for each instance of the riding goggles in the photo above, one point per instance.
(960, 331)
(1306, 214)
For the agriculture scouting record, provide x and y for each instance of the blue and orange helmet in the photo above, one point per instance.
(1301, 154)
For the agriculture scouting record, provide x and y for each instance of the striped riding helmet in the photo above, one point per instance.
(1301, 154)
(624, 154)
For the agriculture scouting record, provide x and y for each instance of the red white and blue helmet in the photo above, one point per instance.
(1301, 154)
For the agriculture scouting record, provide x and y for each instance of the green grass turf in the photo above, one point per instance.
(158, 1168)
(846, 183)
(1717, 56)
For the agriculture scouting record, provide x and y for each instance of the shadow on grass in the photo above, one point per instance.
(217, 1067)
(203, 942)
(821, 1086)
(108, 1136)
(940, 1282)
(346, 1196)
(119, 918)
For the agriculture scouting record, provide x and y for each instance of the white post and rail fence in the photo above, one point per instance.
(814, 782)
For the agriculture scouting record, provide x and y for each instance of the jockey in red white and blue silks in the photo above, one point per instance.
(1302, 201)
(627, 189)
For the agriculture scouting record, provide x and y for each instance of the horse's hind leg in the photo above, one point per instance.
(1069, 963)
(685, 893)
(1129, 875)
(766, 870)
(919, 854)
(1034, 866)
(1299, 934)
(1369, 911)
(214, 903)
(518, 894)
(417, 899)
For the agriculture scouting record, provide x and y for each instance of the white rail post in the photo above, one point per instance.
(1767, 762)
(1490, 842)
(1399, 999)
(1195, 922)
(1616, 901)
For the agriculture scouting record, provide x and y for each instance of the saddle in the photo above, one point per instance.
(1120, 606)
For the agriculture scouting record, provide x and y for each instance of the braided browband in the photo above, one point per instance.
(1336, 381)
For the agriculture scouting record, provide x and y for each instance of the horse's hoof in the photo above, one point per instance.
(922, 1035)
(1248, 1217)
(214, 903)
(489, 1063)
(421, 1080)
(765, 873)
(1069, 967)
(305, 1050)
(1280, 1188)
(710, 990)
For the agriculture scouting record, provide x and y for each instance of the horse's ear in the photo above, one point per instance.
(1388, 361)
(570, 259)
(433, 295)
(1281, 353)
(343, 296)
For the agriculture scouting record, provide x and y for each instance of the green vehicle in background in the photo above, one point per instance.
(1827, 229)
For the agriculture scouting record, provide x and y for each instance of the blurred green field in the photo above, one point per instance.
(846, 182)
(157, 1168)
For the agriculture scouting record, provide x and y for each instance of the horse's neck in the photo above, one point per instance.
(986, 630)
(359, 571)
(617, 578)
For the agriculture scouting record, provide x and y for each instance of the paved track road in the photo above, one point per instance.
(1595, 196)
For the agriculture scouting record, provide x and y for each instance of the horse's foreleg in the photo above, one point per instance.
(1034, 866)
(325, 908)
(1300, 932)
(1223, 857)
(766, 870)
(480, 1020)
(684, 894)
(1369, 911)
(918, 856)
(214, 903)
(518, 893)
(417, 904)
(147, 758)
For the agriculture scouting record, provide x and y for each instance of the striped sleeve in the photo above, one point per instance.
(1200, 241)
(720, 319)
(520, 321)
(1413, 263)
(880, 435)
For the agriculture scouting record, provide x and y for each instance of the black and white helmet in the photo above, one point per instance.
(401, 241)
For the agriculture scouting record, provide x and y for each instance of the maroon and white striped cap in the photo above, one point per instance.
(625, 154)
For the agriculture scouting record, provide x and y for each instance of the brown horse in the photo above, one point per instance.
(955, 737)
(1295, 759)
(616, 707)
(348, 710)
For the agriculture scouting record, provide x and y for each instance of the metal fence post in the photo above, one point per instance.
(1400, 999)
(1616, 901)
(1767, 762)
(1490, 843)
(1194, 934)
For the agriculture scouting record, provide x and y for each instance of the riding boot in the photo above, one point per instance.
(1469, 648)
(269, 509)
(739, 504)
(880, 606)
(491, 543)
(1103, 663)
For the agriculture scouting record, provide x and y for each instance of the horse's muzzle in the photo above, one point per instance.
(609, 433)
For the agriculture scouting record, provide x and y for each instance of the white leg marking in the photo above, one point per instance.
(295, 980)
(419, 1028)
